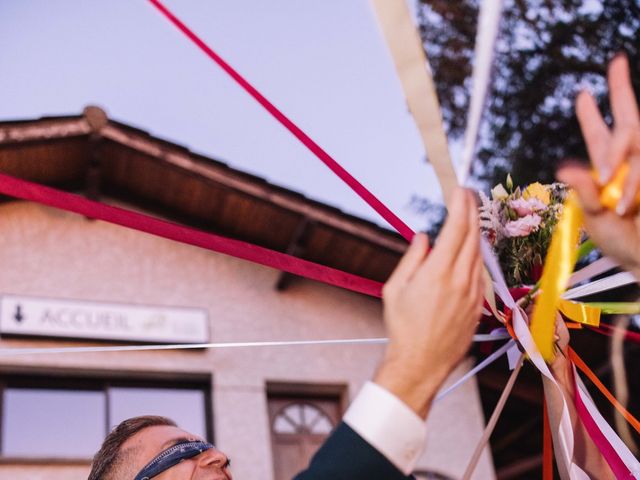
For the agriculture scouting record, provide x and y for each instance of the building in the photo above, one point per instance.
(90, 283)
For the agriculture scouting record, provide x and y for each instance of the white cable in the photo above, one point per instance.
(4, 352)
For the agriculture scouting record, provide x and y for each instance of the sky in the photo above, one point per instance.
(323, 63)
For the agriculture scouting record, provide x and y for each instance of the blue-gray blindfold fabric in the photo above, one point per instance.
(172, 456)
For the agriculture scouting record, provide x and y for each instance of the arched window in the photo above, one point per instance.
(302, 418)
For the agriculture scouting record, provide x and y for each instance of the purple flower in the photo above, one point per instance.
(523, 226)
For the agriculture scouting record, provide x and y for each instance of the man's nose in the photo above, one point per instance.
(212, 457)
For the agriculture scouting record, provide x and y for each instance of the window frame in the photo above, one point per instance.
(102, 381)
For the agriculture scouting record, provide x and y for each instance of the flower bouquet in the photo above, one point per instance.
(519, 224)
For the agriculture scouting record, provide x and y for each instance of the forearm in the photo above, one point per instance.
(585, 454)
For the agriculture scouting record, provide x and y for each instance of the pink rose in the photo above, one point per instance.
(523, 226)
(527, 207)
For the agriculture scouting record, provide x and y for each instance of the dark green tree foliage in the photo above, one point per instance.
(546, 51)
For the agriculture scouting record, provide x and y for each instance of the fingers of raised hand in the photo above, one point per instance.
(470, 251)
(623, 101)
(631, 186)
(462, 274)
(476, 288)
(595, 132)
(409, 263)
(579, 178)
(624, 142)
(453, 233)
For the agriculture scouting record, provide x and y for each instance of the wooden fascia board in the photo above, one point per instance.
(183, 160)
(43, 130)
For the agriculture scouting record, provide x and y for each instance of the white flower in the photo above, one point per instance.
(498, 192)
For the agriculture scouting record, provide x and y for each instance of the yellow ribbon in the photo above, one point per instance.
(561, 258)
(612, 192)
(580, 313)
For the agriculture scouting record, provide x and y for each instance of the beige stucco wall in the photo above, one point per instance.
(49, 253)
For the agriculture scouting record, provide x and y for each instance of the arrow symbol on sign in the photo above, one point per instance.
(18, 316)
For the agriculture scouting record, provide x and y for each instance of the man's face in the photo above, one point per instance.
(211, 464)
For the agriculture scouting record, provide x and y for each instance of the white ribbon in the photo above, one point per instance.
(598, 267)
(488, 23)
(482, 365)
(608, 283)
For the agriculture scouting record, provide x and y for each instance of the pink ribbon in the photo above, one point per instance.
(618, 466)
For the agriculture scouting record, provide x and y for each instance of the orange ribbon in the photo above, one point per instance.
(596, 381)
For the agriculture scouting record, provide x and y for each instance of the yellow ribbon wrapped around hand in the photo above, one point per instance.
(612, 192)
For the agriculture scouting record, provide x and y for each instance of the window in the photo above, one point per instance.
(52, 423)
(185, 406)
(70, 417)
(299, 425)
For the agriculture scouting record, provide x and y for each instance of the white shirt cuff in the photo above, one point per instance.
(388, 425)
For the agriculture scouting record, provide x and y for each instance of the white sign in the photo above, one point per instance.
(102, 321)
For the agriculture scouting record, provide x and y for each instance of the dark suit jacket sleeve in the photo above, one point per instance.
(347, 456)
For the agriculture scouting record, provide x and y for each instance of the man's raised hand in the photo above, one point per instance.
(432, 303)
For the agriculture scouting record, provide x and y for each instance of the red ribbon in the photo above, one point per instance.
(25, 190)
(606, 329)
(318, 151)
